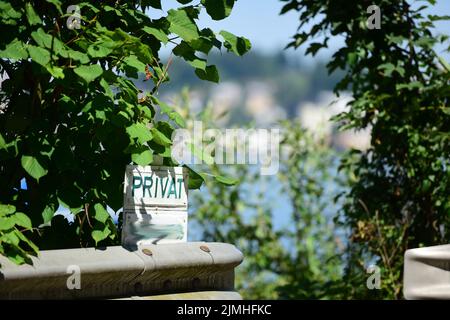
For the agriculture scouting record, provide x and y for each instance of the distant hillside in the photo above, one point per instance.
(291, 80)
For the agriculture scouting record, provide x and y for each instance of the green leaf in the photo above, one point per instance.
(218, 9)
(188, 54)
(11, 238)
(238, 45)
(33, 167)
(198, 63)
(410, 86)
(157, 33)
(32, 16)
(48, 213)
(204, 45)
(387, 67)
(71, 197)
(195, 180)
(89, 73)
(6, 223)
(7, 209)
(292, 5)
(139, 131)
(133, 62)
(99, 235)
(46, 40)
(175, 116)
(182, 25)
(15, 50)
(77, 55)
(166, 109)
(22, 237)
(160, 138)
(100, 213)
(228, 181)
(444, 63)
(55, 71)
(201, 154)
(22, 220)
(143, 156)
(17, 257)
(2, 142)
(39, 55)
(98, 51)
(433, 17)
(210, 73)
(107, 88)
(9, 12)
(100, 115)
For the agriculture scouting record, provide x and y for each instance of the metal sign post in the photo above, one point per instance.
(155, 205)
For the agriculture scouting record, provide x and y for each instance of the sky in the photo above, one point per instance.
(259, 21)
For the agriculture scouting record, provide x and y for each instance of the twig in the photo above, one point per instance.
(86, 208)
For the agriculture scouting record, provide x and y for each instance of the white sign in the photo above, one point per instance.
(154, 227)
(155, 205)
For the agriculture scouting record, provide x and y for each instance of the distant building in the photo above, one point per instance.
(315, 117)
(261, 105)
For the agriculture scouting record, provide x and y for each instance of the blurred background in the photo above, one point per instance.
(289, 225)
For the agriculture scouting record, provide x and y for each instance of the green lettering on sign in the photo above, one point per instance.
(147, 187)
(172, 189)
(135, 186)
(180, 183)
(163, 188)
(157, 187)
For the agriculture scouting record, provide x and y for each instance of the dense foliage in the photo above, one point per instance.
(400, 187)
(71, 118)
